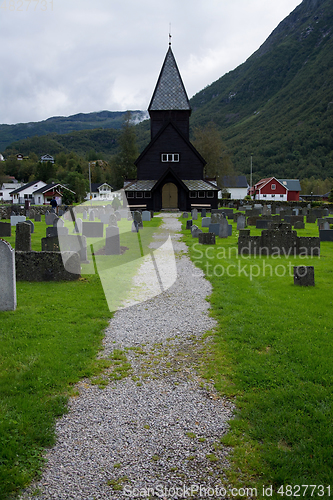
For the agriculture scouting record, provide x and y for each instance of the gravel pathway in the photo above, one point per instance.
(158, 428)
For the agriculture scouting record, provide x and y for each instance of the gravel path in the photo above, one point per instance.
(160, 426)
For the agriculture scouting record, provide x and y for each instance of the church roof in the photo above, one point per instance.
(169, 93)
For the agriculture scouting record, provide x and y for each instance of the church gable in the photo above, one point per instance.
(170, 149)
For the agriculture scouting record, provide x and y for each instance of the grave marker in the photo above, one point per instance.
(23, 237)
(112, 241)
(7, 277)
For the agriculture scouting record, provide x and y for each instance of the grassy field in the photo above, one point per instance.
(47, 345)
(272, 354)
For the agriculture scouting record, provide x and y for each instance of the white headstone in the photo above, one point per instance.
(7, 277)
(146, 216)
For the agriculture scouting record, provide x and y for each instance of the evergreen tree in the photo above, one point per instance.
(123, 165)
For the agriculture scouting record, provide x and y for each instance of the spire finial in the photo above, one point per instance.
(170, 35)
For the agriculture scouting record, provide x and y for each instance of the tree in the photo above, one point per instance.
(123, 165)
(208, 141)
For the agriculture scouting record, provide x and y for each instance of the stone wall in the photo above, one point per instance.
(6, 210)
(47, 266)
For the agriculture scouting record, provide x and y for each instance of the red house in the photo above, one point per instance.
(272, 189)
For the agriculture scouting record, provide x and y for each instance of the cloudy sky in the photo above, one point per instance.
(63, 57)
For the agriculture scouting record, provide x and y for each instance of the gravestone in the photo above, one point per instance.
(195, 231)
(325, 225)
(229, 230)
(195, 214)
(118, 215)
(32, 225)
(185, 215)
(15, 219)
(304, 276)
(223, 229)
(5, 229)
(216, 218)
(112, 220)
(244, 232)
(92, 216)
(7, 277)
(311, 219)
(137, 216)
(79, 225)
(214, 228)
(49, 219)
(84, 215)
(203, 212)
(38, 217)
(205, 221)
(241, 222)
(61, 213)
(66, 243)
(23, 237)
(262, 223)
(105, 218)
(207, 238)
(146, 216)
(56, 231)
(266, 211)
(299, 225)
(112, 241)
(326, 234)
(135, 226)
(189, 224)
(92, 229)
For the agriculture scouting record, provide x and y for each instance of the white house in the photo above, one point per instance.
(44, 194)
(236, 185)
(5, 190)
(26, 191)
(46, 158)
(100, 191)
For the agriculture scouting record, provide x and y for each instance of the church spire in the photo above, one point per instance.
(169, 93)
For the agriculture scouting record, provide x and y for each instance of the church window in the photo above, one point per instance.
(210, 194)
(147, 194)
(130, 194)
(193, 194)
(201, 194)
(139, 194)
(170, 157)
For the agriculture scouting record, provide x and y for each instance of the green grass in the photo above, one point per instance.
(272, 354)
(47, 345)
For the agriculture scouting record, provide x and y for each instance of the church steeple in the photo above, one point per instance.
(169, 101)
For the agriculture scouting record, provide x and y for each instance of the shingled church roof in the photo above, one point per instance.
(169, 93)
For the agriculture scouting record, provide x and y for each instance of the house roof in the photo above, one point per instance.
(169, 93)
(96, 185)
(263, 182)
(200, 185)
(140, 185)
(52, 186)
(25, 186)
(234, 181)
(291, 184)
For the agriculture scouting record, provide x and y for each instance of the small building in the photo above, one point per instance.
(6, 189)
(100, 191)
(46, 158)
(273, 189)
(25, 192)
(44, 194)
(235, 185)
(170, 171)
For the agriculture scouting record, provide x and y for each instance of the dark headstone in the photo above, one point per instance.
(326, 234)
(189, 224)
(207, 238)
(38, 217)
(5, 229)
(304, 276)
(203, 212)
(23, 237)
(214, 228)
(195, 231)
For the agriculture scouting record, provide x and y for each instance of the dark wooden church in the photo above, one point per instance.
(170, 171)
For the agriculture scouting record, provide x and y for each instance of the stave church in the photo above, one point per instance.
(170, 171)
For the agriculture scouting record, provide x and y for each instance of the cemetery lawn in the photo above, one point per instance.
(272, 354)
(47, 345)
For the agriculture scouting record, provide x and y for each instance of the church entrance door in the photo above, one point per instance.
(170, 195)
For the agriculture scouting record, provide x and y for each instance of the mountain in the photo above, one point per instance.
(278, 105)
(64, 125)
